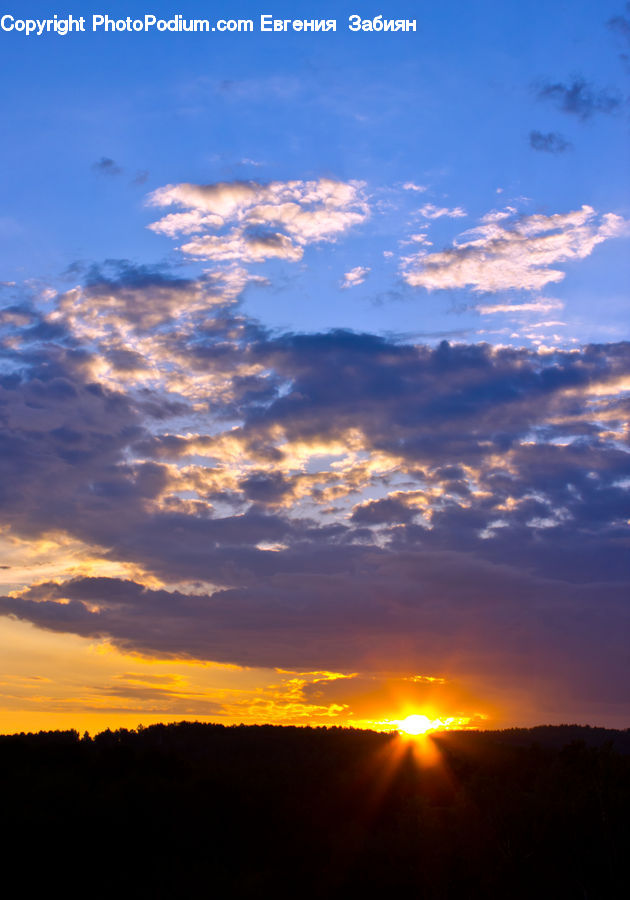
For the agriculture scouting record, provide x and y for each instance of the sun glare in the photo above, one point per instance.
(417, 724)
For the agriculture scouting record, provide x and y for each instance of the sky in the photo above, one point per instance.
(314, 367)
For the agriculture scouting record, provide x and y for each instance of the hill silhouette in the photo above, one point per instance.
(271, 811)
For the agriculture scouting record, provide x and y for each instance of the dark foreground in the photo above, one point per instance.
(264, 812)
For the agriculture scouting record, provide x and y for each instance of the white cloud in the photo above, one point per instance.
(495, 215)
(543, 304)
(420, 238)
(251, 222)
(186, 223)
(430, 211)
(411, 186)
(355, 276)
(513, 252)
(237, 245)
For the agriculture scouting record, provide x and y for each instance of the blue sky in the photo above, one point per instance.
(240, 255)
(450, 107)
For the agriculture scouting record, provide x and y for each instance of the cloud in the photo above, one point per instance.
(252, 222)
(551, 142)
(106, 166)
(542, 305)
(388, 510)
(355, 276)
(397, 612)
(621, 25)
(374, 697)
(137, 321)
(412, 186)
(339, 500)
(430, 211)
(510, 251)
(579, 98)
(120, 296)
(420, 238)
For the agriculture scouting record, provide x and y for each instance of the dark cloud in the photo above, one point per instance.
(106, 166)
(551, 142)
(397, 611)
(579, 98)
(126, 360)
(376, 512)
(74, 270)
(428, 405)
(621, 25)
(353, 501)
(63, 437)
(145, 297)
(265, 487)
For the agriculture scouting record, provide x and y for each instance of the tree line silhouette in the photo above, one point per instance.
(271, 811)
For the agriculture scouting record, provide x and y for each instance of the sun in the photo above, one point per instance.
(417, 724)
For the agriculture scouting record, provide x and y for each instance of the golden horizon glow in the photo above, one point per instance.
(419, 724)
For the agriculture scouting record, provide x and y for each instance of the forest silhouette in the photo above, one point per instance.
(271, 811)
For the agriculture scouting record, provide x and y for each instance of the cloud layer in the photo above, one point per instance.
(335, 501)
